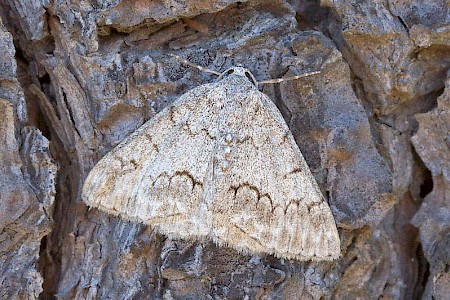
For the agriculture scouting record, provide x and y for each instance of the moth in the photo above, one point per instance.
(219, 164)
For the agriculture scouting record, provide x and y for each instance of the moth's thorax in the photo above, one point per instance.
(239, 72)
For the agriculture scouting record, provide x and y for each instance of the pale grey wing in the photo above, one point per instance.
(156, 175)
(269, 201)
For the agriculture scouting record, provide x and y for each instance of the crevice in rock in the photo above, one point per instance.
(44, 262)
(108, 36)
(47, 88)
(45, 80)
(35, 117)
(19, 56)
(403, 24)
(40, 122)
(312, 16)
(427, 185)
(51, 249)
(50, 252)
(423, 273)
(422, 183)
(421, 186)
(70, 112)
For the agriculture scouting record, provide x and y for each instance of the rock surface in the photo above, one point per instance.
(77, 78)
(27, 186)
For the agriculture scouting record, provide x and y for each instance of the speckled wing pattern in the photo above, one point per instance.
(220, 163)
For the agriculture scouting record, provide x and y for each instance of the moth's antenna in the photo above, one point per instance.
(185, 61)
(278, 80)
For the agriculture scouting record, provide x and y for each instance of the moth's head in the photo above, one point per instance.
(239, 71)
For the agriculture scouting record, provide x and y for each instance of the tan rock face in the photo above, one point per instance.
(372, 126)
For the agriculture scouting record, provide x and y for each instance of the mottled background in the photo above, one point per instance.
(76, 77)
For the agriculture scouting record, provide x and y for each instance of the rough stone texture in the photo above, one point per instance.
(373, 127)
(432, 143)
(27, 186)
